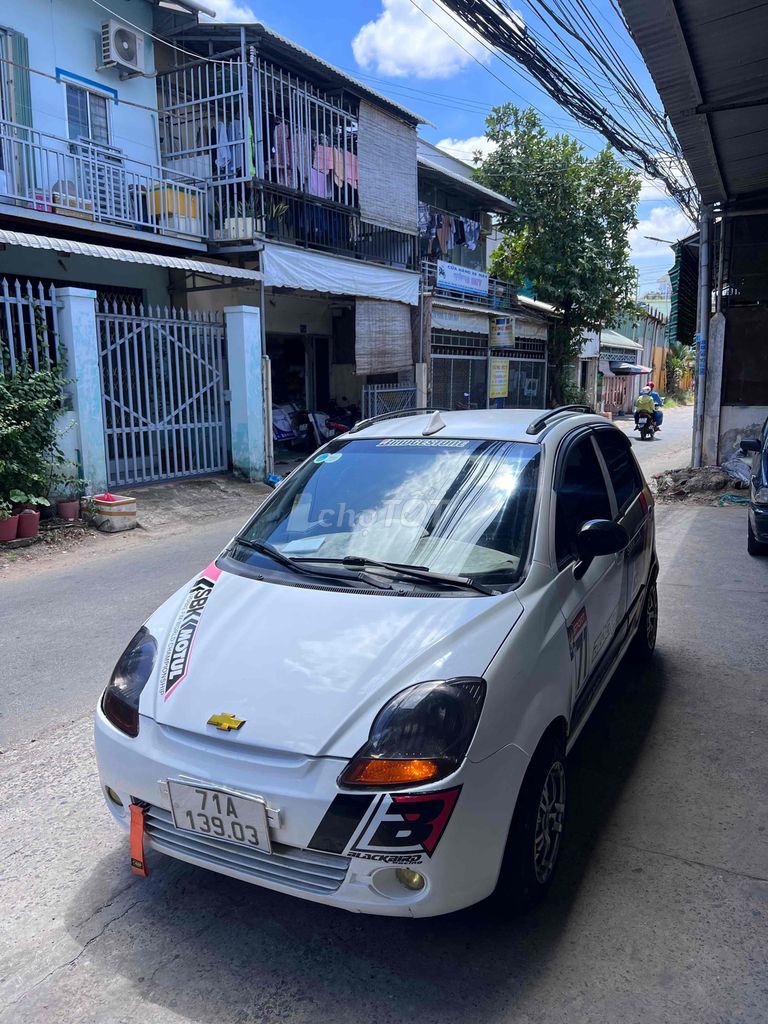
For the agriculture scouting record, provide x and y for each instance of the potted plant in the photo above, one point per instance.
(8, 522)
(29, 515)
(69, 490)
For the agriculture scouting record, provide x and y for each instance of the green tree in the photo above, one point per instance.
(681, 359)
(568, 235)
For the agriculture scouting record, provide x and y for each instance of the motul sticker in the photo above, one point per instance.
(179, 650)
(390, 829)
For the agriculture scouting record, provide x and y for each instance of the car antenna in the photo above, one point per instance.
(436, 423)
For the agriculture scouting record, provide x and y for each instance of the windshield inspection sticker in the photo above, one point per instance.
(420, 442)
(327, 457)
(179, 649)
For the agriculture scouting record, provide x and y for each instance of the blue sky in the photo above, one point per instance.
(395, 48)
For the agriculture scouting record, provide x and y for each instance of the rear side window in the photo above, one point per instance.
(622, 468)
(581, 495)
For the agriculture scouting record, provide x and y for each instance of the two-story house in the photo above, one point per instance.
(485, 346)
(102, 241)
(312, 179)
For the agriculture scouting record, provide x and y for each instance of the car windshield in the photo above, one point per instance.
(459, 507)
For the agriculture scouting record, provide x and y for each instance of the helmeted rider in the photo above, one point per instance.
(658, 415)
(644, 403)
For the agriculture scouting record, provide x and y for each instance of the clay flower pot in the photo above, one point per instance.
(8, 528)
(68, 509)
(29, 523)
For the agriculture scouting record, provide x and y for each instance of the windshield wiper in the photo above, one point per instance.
(415, 572)
(294, 563)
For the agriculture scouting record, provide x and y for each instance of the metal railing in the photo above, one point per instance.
(501, 294)
(29, 328)
(263, 211)
(99, 184)
(380, 399)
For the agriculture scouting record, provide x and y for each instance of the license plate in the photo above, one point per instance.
(216, 814)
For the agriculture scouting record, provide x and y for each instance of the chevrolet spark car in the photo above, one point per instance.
(367, 699)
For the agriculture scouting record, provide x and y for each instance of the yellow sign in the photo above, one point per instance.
(226, 722)
(499, 378)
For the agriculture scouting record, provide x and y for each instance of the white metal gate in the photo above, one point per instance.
(380, 399)
(163, 388)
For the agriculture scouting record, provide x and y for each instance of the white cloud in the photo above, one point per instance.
(666, 222)
(403, 41)
(229, 10)
(465, 149)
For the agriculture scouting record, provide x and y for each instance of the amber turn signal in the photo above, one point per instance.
(390, 772)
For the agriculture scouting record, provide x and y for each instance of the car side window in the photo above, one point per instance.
(622, 468)
(581, 496)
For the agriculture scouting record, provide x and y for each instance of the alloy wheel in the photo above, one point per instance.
(549, 823)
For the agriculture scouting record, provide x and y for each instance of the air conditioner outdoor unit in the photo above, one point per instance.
(121, 47)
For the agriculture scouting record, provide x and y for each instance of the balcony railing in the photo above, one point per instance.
(500, 295)
(245, 211)
(97, 184)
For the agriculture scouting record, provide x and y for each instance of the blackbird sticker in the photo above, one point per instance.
(178, 653)
(398, 828)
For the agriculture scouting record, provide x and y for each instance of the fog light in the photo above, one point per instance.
(113, 796)
(410, 879)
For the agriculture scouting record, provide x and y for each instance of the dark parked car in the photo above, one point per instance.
(757, 522)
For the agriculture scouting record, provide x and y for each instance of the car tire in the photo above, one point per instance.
(644, 642)
(535, 835)
(754, 546)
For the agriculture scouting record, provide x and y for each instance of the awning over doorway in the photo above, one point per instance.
(466, 321)
(286, 267)
(106, 252)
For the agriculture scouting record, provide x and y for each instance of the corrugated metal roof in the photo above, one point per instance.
(712, 53)
(612, 339)
(255, 32)
(105, 252)
(499, 200)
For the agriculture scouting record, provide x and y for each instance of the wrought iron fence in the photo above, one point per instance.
(379, 399)
(163, 393)
(29, 329)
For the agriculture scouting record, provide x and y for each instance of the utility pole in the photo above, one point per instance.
(702, 331)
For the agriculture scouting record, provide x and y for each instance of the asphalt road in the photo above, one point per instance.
(670, 447)
(658, 913)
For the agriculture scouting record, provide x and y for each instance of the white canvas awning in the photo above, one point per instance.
(286, 267)
(467, 321)
(106, 252)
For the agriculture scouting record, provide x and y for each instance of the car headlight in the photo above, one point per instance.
(120, 701)
(421, 735)
(761, 496)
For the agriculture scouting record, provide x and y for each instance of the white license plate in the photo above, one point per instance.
(216, 814)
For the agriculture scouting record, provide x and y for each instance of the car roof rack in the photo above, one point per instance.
(361, 424)
(537, 425)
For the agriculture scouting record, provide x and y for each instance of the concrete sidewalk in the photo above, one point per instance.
(658, 914)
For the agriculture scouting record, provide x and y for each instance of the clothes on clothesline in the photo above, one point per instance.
(232, 153)
(440, 232)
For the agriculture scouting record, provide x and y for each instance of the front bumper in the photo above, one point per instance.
(758, 517)
(460, 870)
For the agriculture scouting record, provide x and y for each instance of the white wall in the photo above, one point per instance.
(737, 421)
(66, 34)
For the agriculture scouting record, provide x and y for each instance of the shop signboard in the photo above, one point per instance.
(503, 331)
(461, 279)
(498, 378)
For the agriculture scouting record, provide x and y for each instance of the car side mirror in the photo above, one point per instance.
(598, 537)
(750, 445)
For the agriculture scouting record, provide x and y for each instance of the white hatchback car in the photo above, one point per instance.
(367, 699)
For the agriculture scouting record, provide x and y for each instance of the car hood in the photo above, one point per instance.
(308, 669)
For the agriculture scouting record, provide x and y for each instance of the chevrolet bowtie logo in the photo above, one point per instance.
(226, 722)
